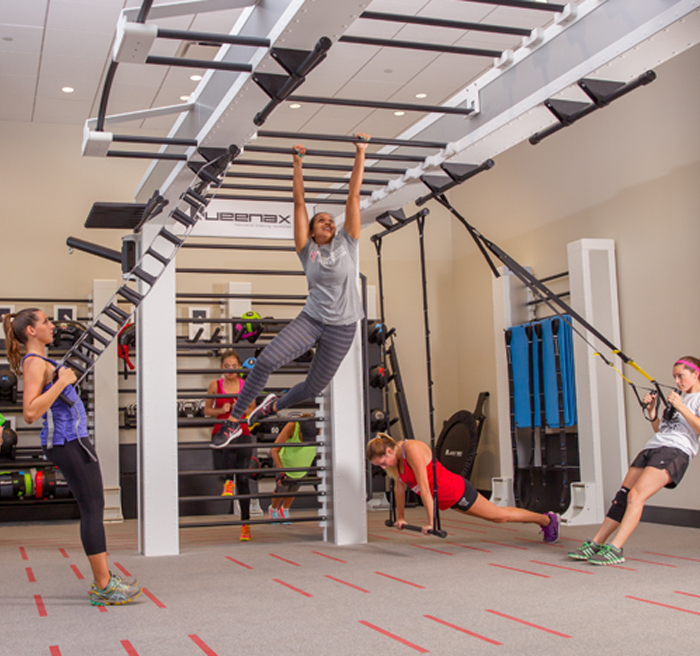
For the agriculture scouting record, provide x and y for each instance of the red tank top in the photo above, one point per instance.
(221, 402)
(451, 486)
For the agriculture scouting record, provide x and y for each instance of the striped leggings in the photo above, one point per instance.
(295, 339)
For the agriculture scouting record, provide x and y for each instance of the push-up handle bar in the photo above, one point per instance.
(310, 136)
(409, 527)
(441, 22)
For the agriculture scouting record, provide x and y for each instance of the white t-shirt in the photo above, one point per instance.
(677, 432)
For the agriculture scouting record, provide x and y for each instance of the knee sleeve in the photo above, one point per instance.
(619, 505)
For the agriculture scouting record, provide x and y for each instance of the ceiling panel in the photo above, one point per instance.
(24, 12)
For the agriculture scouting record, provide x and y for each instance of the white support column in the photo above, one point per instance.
(509, 309)
(106, 409)
(157, 416)
(599, 393)
(348, 503)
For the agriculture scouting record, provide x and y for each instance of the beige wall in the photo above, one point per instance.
(630, 173)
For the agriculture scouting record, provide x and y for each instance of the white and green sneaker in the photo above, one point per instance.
(585, 551)
(117, 592)
(607, 555)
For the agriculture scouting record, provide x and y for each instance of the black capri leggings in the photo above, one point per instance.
(295, 339)
(84, 478)
(237, 459)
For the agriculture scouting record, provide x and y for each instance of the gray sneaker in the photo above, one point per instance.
(585, 551)
(117, 592)
(126, 580)
(607, 555)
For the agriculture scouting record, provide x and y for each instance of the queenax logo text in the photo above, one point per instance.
(250, 218)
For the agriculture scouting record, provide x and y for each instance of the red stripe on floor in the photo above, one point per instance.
(122, 569)
(687, 594)
(30, 575)
(466, 546)
(694, 560)
(77, 572)
(549, 544)
(393, 578)
(459, 628)
(394, 637)
(337, 560)
(571, 569)
(379, 537)
(128, 648)
(102, 609)
(656, 603)
(55, 651)
(502, 544)
(238, 562)
(291, 587)
(202, 645)
(63, 553)
(40, 606)
(291, 562)
(23, 553)
(534, 626)
(350, 585)
(650, 562)
(420, 546)
(522, 571)
(153, 598)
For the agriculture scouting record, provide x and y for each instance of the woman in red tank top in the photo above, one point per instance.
(410, 462)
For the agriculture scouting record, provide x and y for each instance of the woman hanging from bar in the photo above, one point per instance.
(333, 308)
(49, 394)
(661, 463)
(410, 462)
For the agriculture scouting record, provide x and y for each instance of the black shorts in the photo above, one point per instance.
(468, 498)
(674, 461)
(289, 485)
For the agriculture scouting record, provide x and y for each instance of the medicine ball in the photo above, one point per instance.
(378, 376)
(8, 385)
(378, 421)
(8, 448)
(376, 333)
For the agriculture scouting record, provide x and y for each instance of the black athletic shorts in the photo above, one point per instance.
(468, 498)
(674, 461)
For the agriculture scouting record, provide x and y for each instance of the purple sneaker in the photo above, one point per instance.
(551, 531)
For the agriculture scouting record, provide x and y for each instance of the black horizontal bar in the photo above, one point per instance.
(537, 301)
(13, 299)
(208, 37)
(269, 470)
(307, 178)
(376, 104)
(258, 495)
(413, 45)
(522, 4)
(277, 199)
(238, 522)
(310, 165)
(199, 63)
(94, 249)
(441, 22)
(230, 319)
(555, 276)
(398, 225)
(143, 155)
(307, 136)
(124, 138)
(335, 153)
(246, 272)
(308, 190)
(236, 247)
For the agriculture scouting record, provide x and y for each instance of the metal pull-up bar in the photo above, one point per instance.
(335, 153)
(413, 45)
(376, 104)
(309, 136)
(318, 167)
(523, 4)
(307, 178)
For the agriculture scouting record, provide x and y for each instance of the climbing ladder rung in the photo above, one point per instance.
(183, 218)
(104, 329)
(130, 295)
(157, 256)
(193, 195)
(116, 314)
(75, 365)
(173, 239)
(90, 347)
(143, 275)
(83, 356)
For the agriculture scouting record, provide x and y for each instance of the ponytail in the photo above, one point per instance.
(15, 326)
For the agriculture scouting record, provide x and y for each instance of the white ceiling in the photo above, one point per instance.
(48, 44)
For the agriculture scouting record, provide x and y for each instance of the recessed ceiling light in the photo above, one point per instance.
(67, 89)
(8, 38)
(195, 78)
(184, 98)
(421, 95)
(399, 113)
(295, 106)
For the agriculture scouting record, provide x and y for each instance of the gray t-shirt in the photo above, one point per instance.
(331, 272)
(677, 432)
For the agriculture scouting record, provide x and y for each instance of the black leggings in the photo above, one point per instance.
(84, 478)
(237, 459)
(295, 339)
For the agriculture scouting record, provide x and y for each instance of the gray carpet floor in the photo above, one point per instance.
(486, 589)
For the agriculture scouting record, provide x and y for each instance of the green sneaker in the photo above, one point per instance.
(117, 592)
(607, 555)
(585, 551)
